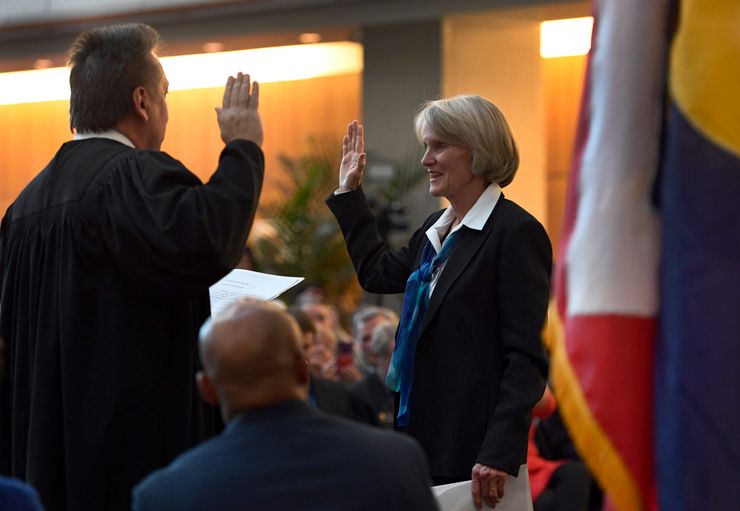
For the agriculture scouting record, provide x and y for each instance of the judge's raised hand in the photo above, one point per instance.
(353, 158)
(239, 117)
(488, 484)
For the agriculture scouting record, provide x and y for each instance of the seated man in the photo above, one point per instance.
(324, 394)
(276, 451)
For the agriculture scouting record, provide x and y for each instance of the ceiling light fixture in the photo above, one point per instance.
(184, 72)
(566, 37)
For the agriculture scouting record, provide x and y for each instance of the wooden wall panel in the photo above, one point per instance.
(292, 112)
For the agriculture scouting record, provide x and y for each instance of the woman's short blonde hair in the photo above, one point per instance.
(476, 123)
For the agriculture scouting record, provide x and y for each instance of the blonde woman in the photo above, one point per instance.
(468, 364)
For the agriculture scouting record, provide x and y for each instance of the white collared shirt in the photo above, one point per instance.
(474, 219)
(109, 134)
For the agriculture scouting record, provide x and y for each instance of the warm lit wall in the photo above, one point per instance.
(30, 134)
(562, 85)
(291, 111)
(498, 57)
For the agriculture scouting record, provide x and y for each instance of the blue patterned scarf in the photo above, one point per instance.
(415, 304)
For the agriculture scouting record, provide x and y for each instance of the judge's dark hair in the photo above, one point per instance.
(107, 64)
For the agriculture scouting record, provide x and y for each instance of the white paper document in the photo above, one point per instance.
(247, 283)
(457, 496)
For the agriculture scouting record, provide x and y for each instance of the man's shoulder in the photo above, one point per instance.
(392, 462)
(373, 440)
(183, 471)
(67, 176)
(102, 154)
(239, 463)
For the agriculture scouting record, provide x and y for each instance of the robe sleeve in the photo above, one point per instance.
(168, 232)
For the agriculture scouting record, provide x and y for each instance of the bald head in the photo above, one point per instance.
(252, 357)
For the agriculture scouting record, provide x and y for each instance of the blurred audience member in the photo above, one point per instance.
(556, 485)
(331, 335)
(364, 323)
(247, 260)
(276, 452)
(311, 294)
(372, 400)
(324, 394)
(317, 355)
(335, 324)
(321, 316)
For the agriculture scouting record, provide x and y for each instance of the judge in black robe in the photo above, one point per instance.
(105, 259)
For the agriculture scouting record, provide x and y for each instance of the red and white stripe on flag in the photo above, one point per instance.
(607, 273)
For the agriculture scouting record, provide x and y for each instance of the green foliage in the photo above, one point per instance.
(305, 239)
(408, 175)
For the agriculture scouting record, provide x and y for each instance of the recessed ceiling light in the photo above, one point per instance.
(43, 63)
(212, 47)
(565, 38)
(309, 38)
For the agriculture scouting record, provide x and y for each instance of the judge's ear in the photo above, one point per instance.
(205, 387)
(140, 101)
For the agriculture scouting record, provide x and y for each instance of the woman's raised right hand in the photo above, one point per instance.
(353, 158)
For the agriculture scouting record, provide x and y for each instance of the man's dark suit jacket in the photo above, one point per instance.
(479, 367)
(290, 456)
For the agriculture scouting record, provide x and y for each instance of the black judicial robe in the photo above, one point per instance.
(106, 258)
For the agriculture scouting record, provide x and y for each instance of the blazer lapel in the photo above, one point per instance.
(467, 246)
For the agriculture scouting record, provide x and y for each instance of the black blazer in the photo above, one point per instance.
(480, 366)
(290, 456)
